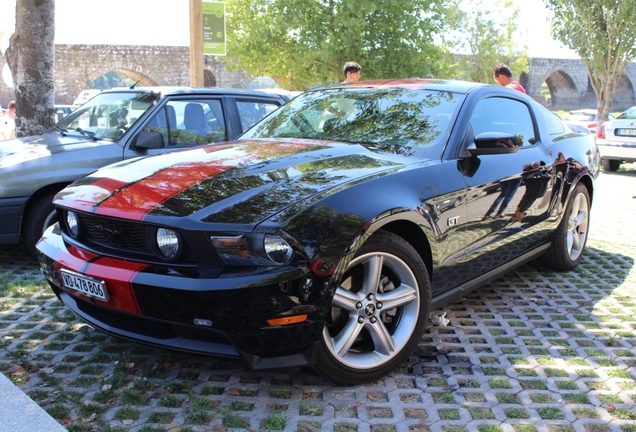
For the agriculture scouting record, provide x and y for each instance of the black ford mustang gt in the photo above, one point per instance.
(328, 231)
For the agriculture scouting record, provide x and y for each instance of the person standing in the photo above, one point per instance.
(503, 77)
(351, 72)
(7, 122)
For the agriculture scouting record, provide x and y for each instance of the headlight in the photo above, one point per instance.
(277, 249)
(72, 224)
(252, 249)
(168, 243)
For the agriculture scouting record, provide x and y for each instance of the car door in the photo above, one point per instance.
(508, 197)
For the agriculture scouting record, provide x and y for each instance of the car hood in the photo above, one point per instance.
(21, 150)
(242, 182)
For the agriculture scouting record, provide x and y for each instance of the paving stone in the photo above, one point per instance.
(533, 350)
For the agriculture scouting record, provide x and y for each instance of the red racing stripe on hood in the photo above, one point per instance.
(138, 199)
(94, 190)
(190, 168)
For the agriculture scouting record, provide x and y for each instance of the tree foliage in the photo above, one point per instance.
(485, 37)
(303, 43)
(31, 58)
(603, 34)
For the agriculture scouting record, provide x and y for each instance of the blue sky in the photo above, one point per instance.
(166, 22)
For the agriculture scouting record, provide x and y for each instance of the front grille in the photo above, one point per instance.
(127, 239)
(112, 233)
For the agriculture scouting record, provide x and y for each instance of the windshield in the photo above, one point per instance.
(630, 114)
(403, 120)
(580, 116)
(107, 115)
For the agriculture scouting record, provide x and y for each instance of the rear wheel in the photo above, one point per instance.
(41, 216)
(610, 164)
(378, 313)
(568, 245)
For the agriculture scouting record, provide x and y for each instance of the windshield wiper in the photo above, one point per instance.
(61, 131)
(86, 133)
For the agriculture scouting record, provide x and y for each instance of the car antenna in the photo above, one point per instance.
(146, 75)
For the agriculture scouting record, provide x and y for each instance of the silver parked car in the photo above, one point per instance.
(113, 126)
(584, 119)
(616, 140)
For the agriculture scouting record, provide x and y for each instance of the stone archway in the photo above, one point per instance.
(563, 91)
(624, 97)
(209, 80)
(140, 79)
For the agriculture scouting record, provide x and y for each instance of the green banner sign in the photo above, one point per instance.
(213, 28)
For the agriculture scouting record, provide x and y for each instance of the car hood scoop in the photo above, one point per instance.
(242, 182)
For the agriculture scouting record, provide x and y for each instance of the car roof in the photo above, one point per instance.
(584, 111)
(172, 91)
(454, 86)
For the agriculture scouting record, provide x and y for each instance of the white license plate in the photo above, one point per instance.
(85, 285)
(628, 132)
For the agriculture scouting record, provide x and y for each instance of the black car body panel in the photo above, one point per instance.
(291, 182)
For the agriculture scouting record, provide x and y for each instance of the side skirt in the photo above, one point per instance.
(461, 290)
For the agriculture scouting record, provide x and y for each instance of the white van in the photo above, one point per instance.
(85, 96)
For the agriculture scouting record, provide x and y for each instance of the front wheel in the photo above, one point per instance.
(41, 216)
(568, 244)
(378, 313)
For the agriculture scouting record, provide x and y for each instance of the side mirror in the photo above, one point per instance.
(488, 143)
(149, 140)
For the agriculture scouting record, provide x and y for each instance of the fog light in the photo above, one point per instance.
(168, 242)
(72, 223)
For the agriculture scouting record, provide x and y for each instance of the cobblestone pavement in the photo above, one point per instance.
(531, 351)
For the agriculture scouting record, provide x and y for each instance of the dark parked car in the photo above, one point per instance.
(329, 230)
(112, 126)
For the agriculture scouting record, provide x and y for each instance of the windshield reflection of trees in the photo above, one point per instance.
(389, 120)
(260, 194)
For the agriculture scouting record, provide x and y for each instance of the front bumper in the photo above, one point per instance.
(10, 219)
(224, 315)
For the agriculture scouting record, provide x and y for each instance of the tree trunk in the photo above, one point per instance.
(31, 58)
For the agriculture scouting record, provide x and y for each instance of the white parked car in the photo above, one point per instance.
(584, 119)
(616, 140)
(85, 96)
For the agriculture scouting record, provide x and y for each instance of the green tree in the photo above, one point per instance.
(603, 34)
(303, 43)
(31, 58)
(484, 37)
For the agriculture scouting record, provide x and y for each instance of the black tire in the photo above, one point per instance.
(378, 314)
(40, 216)
(568, 244)
(610, 164)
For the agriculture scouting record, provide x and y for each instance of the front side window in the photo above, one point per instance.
(405, 121)
(189, 122)
(503, 115)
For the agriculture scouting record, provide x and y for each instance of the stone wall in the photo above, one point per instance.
(570, 87)
(77, 66)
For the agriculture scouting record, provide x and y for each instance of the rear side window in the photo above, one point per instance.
(554, 124)
(251, 112)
